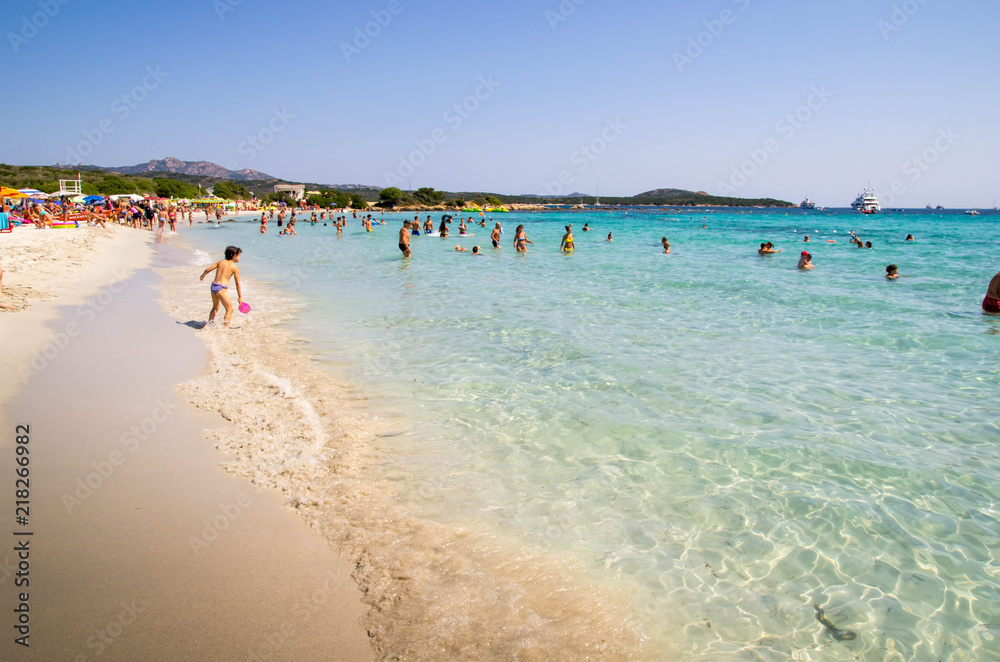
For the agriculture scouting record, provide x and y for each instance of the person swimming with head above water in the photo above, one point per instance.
(892, 272)
(805, 261)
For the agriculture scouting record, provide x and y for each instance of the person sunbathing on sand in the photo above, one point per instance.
(224, 270)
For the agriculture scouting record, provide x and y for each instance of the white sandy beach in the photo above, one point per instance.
(142, 547)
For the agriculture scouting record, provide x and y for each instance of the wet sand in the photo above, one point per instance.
(143, 548)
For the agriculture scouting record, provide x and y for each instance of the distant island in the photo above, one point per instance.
(174, 178)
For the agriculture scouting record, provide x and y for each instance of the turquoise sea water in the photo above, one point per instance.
(733, 440)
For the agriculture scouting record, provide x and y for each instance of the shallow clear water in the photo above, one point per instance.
(733, 440)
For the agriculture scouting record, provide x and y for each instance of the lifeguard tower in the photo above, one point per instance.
(69, 187)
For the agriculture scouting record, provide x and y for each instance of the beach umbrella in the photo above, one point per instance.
(33, 193)
(91, 199)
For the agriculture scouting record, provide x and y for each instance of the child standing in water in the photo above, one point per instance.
(224, 270)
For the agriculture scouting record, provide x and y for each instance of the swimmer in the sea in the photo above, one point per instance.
(767, 249)
(805, 261)
(909, 237)
(459, 249)
(224, 270)
(868, 244)
(806, 240)
(609, 237)
(892, 272)
(586, 227)
(475, 250)
(666, 245)
(495, 235)
(991, 304)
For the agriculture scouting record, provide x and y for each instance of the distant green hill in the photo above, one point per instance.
(103, 181)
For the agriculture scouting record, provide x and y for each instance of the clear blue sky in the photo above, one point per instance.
(561, 82)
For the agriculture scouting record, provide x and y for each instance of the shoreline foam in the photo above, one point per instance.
(435, 590)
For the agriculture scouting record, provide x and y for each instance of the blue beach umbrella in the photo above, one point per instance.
(91, 199)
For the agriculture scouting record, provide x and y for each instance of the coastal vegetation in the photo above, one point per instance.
(102, 181)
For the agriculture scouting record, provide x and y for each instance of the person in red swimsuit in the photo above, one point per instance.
(991, 304)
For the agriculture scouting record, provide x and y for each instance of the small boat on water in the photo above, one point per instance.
(867, 202)
(972, 212)
(807, 204)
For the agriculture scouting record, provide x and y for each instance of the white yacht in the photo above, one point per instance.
(807, 204)
(972, 212)
(867, 202)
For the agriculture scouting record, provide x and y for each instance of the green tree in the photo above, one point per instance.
(493, 201)
(112, 185)
(390, 197)
(357, 202)
(428, 196)
(231, 191)
(280, 197)
(171, 188)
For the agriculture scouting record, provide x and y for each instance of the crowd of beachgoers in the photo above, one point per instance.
(159, 215)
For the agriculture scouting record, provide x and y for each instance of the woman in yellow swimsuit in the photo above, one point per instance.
(567, 240)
